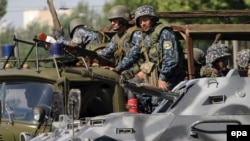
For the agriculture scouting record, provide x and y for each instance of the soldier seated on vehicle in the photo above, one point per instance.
(243, 62)
(199, 61)
(163, 65)
(124, 47)
(82, 37)
(217, 59)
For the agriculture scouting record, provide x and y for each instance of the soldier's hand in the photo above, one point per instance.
(109, 68)
(163, 85)
(208, 72)
(57, 33)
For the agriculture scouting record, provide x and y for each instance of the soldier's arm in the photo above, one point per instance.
(133, 55)
(78, 40)
(170, 54)
(109, 50)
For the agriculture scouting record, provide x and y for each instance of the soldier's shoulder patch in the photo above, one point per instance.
(77, 40)
(167, 45)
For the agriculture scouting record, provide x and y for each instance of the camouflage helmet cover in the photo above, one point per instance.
(217, 51)
(145, 10)
(243, 58)
(199, 56)
(119, 11)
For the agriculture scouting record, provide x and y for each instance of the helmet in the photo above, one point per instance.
(145, 10)
(217, 51)
(75, 23)
(199, 56)
(119, 11)
(243, 58)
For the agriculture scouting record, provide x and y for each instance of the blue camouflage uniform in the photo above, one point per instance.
(82, 37)
(131, 52)
(171, 63)
(164, 50)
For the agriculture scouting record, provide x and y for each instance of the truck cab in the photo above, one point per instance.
(35, 91)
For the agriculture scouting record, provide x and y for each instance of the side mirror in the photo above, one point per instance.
(74, 103)
(57, 106)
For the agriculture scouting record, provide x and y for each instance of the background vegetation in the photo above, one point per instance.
(99, 20)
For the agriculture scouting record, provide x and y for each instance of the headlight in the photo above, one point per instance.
(25, 136)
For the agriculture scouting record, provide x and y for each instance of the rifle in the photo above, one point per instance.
(53, 13)
(145, 88)
(141, 88)
(83, 52)
(90, 74)
(93, 56)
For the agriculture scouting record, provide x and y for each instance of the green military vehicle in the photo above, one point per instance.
(34, 92)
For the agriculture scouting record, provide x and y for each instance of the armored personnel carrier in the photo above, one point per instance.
(200, 109)
(35, 91)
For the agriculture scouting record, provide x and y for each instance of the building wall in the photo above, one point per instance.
(41, 16)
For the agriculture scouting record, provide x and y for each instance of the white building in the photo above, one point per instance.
(42, 16)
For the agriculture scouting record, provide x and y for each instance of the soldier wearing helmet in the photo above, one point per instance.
(162, 48)
(243, 62)
(162, 54)
(217, 59)
(81, 35)
(199, 61)
(243, 59)
(124, 47)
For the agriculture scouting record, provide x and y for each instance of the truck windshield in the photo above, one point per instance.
(19, 99)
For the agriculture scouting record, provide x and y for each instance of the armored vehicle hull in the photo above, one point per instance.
(202, 111)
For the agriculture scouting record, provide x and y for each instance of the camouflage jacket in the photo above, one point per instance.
(165, 52)
(131, 54)
(83, 38)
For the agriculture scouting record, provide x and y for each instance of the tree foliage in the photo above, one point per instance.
(3, 6)
(90, 16)
(100, 20)
(186, 6)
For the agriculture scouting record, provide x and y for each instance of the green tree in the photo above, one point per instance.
(3, 5)
(91, 18)
(187, 6)
(36, 27)
(203, 5)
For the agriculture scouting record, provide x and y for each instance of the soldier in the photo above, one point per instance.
(81, 35)
(160, 47)
(162, 53)
(124, 47)
(243, 61)
(199, 61)
(217, 59)
(243, 58)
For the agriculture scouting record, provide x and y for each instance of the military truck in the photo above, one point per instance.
(35, 91)
(195, 110)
